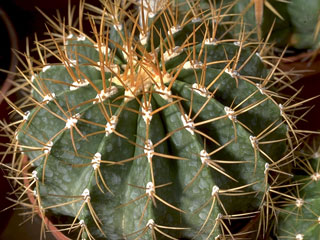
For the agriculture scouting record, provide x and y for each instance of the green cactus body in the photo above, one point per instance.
(296, 21)
(300, 218)
(152, 132)
(305, 19)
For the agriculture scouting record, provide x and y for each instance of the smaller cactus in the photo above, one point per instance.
(297, 23)
(305, 19)
(300, 218)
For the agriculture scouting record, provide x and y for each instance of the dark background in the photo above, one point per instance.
(27, 21)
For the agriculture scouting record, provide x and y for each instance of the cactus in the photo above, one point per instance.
(297, 22)
(158, 125)
(305, 19)
(300, 217)
(260, 15)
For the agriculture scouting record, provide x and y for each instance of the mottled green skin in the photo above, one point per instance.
(296, 29)
(304, 16)
(303, 220)
(68, 173)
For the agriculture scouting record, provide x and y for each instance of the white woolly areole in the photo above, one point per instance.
(261, 89)
(81, 223)
(299, 202)
(147, 112)
(319, 219)
(204, 157)
(49, 97)
(200, 90)
(281, 109)
(171, 53)
(230, 114)
(86, 194)
(315, 176)
(266, 168)
(118, 27)
(129, 94)
(299, 236)
(47, 147)
(105, 67)
(150, 189)
(102, 48)
(150, 223)
(96, 160)
(217, 237)
(237, 43)
(215, 190)
(70, 36)
(111, 125)
(45, 68)
(126, 51)
(81, 38)
(196, 20)
(187, 123)
(143, 38)
(26, 115)
(71, 62)
(151, 14)
(32, 78)
(35, 194)
(114, 68)
(259, 56)
(254, 141)
(16, 136)
(164, 93)
(210, 41)
(174, 29)
(78, 84)
(316, 154)
(103, 95)
(34, 175)
(72, 121)
(232, 73)
(193, 64)
(165, 78)
(148, 149)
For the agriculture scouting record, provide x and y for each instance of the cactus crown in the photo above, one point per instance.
(160, 125)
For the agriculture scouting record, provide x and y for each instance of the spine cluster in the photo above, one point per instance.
(159, 125)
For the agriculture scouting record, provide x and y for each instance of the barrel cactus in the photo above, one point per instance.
(300, 217)
(155, 126)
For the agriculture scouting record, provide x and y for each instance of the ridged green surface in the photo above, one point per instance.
(176, 163)
(297, 26)
(304, 17)
(300, 218)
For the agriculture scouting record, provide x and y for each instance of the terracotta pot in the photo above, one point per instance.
(52, 229)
